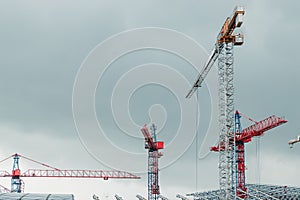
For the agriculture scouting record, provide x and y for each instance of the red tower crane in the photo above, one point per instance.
(243, 136)
(153, 147)
(17, 183)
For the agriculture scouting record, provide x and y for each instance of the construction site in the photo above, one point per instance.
(241, 134)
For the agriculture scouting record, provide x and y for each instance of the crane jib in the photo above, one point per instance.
(202, 75)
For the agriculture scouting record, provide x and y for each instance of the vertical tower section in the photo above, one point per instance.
(226, 120)
(153, 187)
(226, 40)
(153, 147)
(16, 182)
(241, 190)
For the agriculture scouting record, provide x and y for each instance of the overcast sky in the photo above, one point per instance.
(44, 46)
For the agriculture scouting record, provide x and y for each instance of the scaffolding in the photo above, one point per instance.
(255, 191)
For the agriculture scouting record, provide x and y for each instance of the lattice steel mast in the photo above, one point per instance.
(153, 154)
(223, 50)
(242, 137)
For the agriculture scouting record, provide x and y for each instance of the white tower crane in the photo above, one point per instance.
(293, 141)
(223, 51)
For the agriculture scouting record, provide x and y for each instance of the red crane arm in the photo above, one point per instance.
(259, 128)
(75, 174)
(256, 129)
(148, 138)
(4, 174)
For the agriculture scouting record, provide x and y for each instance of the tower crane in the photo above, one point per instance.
(16, 175)
(153, 147)
(244, 136)
(140, 197)
(223, 51)
(293, 141)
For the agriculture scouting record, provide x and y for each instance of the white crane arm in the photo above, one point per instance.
(209, 63)
(293, 141)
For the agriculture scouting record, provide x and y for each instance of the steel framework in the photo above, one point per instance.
(223, 51)
(256, 192)
(226, 121)
(153, 147)
(241, 137)
(78, 174)
(17, 185)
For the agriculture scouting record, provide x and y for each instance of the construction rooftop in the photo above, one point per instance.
(256, 192)
(31, 196)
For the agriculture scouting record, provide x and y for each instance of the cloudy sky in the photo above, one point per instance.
(47, 45)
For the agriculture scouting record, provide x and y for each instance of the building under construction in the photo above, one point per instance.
(255, 191)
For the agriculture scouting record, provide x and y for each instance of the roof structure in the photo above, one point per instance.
(257, 192)
(32, 196)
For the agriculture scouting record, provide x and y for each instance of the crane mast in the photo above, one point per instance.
(240, 138)
(153, 147)
(225, 44)
(16, 182)
(223, 51)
